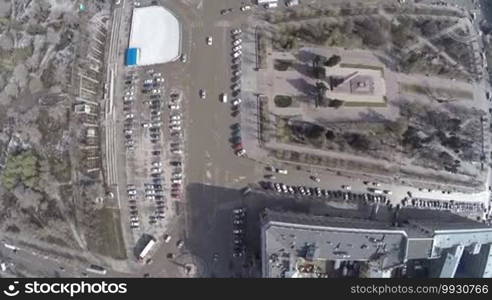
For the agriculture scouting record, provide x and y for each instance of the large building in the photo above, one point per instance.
(301, 245)
(155, 37)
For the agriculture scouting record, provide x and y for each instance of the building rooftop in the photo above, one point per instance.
(288, 236)
(157, 33)
(293, 243)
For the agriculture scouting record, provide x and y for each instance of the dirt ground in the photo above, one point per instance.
(38, 140)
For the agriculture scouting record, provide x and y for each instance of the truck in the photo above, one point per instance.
(150, 244)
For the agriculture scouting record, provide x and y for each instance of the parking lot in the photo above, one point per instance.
(154, 143)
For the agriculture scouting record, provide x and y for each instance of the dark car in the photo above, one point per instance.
(226, 11)
(175, 163)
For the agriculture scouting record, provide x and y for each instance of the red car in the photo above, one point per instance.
(238, 147)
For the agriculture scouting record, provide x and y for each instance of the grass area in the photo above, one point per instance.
(261, 45)
(453, 93)
(60, 167)
(21, 168)
(9, 59)
(283, 131)
(282, 101)
(110, 233)
(282, 64)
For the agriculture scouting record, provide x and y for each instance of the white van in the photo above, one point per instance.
(223, 98)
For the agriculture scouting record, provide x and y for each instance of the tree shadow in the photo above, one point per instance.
(303, 86)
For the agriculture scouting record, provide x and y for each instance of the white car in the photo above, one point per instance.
(237, 102)
(236, 73)
(175, 117)
(236, 54)
(132, 192)
(177, 151)
(203, 94)
(236, 86)
(167, 238)
(175, 122)
(145, 125)
(159, 79)
(155, 91)
(175, 180)
(127, 98)
(129, 116)
(156, 170)
(157, 74)
(174, 106)
(149, 197)
(241, 152)
(237, 42)
(281, 171)
(245, 8)
(223, 98)
(236, 31)
(237, 48)
(129, 93)
(156, 164)
(175, 128)
(209, 40)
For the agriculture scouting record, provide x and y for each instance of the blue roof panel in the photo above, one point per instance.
(132, 56)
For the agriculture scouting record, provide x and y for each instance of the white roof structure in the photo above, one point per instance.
(157, 33)
(147, 249)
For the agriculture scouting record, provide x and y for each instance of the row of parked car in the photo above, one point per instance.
(236, 54)
(153, 89)
(129, 116)
(318, 192)
(238, 231)
(129, 132)
(446, 205)
(132, 201)
(176, 144)
(236, 140)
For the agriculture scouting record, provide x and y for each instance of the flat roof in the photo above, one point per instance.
(132, 56)
(285, 235)
(157, 33)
